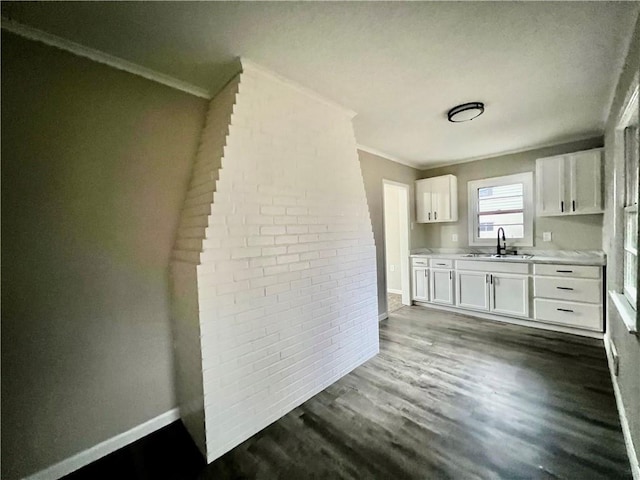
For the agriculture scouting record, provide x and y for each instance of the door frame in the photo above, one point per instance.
(405, 225)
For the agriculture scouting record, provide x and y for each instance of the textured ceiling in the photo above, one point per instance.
(545, 70)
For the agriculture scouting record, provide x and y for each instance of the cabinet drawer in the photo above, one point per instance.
(440, 263)
(572, 289)
(420, 262)
(571, 314)
(575, 271)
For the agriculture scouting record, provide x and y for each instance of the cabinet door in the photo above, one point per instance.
(473, 290)
(585, 182)
(424, 207)
(442, 286)
(550, 186)
(509, 294)
(441, 199)
(421, 284)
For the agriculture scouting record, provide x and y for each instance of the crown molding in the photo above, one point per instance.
(101, 57)
(509, 152)
(251, 66)
(380, 153)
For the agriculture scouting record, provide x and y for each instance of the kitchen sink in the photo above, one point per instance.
(493, 255)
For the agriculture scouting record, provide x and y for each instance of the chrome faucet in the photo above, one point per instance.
(501, 250)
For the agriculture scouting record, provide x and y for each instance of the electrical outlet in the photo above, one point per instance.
(392, 268)
(546, 236)
(454, 237)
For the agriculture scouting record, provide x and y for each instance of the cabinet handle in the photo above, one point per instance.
(425, 273)
(486, 277)
(564, 310)
(491, 279)
(573, 204)
(443, 264)
(450, 275)
(564, 271)
(429, 215)
(562, 206)
(564, 288)
(435, 215)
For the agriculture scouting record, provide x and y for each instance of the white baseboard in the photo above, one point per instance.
(394, 290)
(383, 316)
(98, 451)
(624, 421)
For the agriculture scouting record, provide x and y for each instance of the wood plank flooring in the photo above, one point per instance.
(451, 396)
(448, 397)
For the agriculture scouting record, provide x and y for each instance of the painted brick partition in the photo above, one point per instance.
(275, 280)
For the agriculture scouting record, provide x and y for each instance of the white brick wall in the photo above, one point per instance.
(286, 281)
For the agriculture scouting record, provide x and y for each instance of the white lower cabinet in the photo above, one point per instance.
(441, 286)
(494, 292)
(568, 295)
(572, 314)
(421, 284)
(473, 290)
(509, 294)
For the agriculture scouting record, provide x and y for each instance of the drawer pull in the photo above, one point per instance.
(564, 271)
(443, 264)
(564, 288)
(564, 310)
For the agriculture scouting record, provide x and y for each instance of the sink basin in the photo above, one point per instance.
(493, 255)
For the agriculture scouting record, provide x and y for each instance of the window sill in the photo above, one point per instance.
(625, 310)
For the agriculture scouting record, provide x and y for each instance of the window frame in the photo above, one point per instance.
(473, 186)
(620, 296)
(625, 207)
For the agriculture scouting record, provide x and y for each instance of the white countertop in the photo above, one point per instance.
(564, 257)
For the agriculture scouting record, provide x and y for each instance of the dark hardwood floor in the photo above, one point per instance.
(448, 396)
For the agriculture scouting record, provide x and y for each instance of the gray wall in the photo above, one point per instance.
(374, 170)
(95, 164)
(628, 345)
(582, 232)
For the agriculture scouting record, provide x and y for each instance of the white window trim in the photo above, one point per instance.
(625, 309)
(472, 187)
(630, 296)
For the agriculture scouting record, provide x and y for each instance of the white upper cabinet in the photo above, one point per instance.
(586, 182)
(569, 184)
(550, 183)
(437, 199)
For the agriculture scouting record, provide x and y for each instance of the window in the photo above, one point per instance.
(505, 202)
(630, 241)
(623, 258)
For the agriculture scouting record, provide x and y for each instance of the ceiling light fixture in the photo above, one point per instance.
(465, 112)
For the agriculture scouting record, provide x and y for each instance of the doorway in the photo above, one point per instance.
(396, 244)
